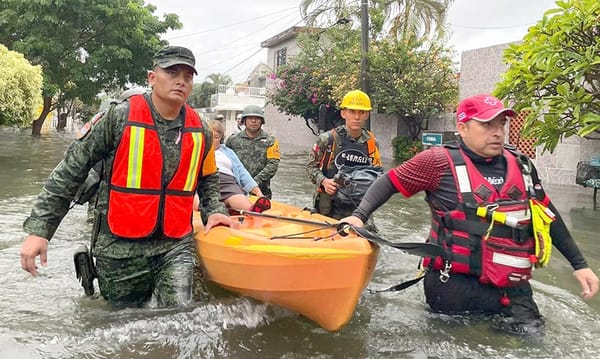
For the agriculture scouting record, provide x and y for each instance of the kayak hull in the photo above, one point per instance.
(319, 275)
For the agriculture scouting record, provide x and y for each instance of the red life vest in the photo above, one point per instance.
(499, 254)
(138, 202)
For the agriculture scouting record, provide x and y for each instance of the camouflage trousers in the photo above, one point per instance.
(163, 280)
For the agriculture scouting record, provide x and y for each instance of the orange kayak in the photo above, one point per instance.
(283, 258)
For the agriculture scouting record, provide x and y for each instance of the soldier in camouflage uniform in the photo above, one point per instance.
(258, 150)
(345, 160)
(144, 255)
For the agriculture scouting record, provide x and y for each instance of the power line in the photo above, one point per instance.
(490, 27)
(262, 29)
(241, 62)
(222, 48)
(231, 25)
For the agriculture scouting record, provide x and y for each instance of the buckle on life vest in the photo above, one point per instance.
(445, 273)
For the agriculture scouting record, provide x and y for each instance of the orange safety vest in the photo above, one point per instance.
(138, 202)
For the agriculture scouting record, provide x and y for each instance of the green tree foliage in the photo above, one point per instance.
(20, 88)
(413, 80)
(415, 18)
(196, 99)
(554, 74)
(201, 93)
(411, 74)
(320, 74)
(84, 46)
(404, 148)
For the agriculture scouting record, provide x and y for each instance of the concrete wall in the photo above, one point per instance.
(480, 70)
(291, 131)
(385, 128)
(560, 167)
(295, 136)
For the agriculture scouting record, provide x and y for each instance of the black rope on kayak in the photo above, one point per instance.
(401, 286)
(299, 235)
(289, 219)
(320, 224)
(341, 229)
(421, 249)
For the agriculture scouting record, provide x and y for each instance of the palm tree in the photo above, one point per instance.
(219, 79)
(416, 17)
(327, 12)
(403, 17)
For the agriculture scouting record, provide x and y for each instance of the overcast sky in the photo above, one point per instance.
(225, 35)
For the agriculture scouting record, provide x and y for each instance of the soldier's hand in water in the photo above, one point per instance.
(32, 247)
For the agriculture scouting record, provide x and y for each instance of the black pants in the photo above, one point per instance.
(464, 294)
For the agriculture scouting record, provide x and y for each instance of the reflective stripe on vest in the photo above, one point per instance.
(139, 203)
(136, 157)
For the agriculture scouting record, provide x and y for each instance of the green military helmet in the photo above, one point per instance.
(253, 110)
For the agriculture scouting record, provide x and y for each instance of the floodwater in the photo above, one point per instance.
(49, 316)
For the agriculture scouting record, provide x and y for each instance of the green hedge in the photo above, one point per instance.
(405, 148)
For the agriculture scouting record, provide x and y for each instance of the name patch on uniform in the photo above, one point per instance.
(87, 127)
(273, 151)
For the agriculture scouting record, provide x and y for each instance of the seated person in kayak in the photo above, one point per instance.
(236, 181)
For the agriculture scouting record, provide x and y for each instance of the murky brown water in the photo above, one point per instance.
(49, 317)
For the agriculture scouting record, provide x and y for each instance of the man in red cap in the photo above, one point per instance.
(482, 195)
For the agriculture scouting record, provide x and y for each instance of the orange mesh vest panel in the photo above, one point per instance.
(138, 202)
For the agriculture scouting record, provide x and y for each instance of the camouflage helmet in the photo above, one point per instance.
(253, 110)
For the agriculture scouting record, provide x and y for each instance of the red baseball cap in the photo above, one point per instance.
(482, 108)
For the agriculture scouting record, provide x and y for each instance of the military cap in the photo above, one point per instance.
(174, 55)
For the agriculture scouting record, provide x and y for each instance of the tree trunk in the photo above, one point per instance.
(414, 127)
(36, 128)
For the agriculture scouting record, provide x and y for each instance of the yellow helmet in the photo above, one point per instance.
(356, 100)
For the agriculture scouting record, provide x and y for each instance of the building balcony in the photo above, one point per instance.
(235, 98)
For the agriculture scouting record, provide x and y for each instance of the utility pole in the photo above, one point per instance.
(364, 61)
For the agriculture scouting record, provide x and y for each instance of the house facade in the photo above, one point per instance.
(294, 133)
(481, 70)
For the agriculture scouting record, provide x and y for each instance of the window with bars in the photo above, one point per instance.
(280, 57)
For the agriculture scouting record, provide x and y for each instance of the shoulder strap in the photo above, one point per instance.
(530, 175)
(371, 143)
(328, 151)
(451, 144)
(463, 182)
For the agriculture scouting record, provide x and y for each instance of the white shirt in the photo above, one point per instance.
(224, 164)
